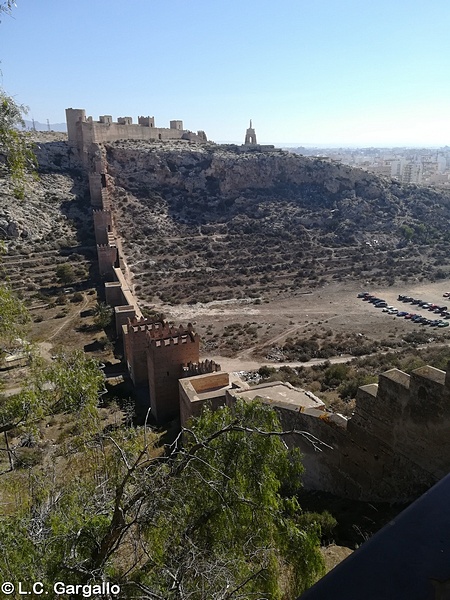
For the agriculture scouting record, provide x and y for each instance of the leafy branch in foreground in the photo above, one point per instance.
(217, 519)
(6, 6)
(14, 144)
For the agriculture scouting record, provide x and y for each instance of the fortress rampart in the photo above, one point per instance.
(84, 131)
(394, 447)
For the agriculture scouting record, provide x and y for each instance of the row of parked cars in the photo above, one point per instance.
(414, 317)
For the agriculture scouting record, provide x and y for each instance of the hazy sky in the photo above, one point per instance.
(341, 72)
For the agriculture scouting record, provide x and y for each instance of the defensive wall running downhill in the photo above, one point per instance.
(157, 355)
(395, 445)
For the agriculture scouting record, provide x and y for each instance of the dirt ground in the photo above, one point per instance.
(333, 307)
(55, 326)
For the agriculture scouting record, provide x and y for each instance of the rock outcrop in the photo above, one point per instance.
(273, 216)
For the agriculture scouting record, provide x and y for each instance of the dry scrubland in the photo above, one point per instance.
(209, 223)
(50, 259)
(265, 262)
(265, 253)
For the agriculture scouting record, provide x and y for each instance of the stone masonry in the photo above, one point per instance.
(394, 447)
(84, 131)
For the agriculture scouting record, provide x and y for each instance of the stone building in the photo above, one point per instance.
(250, 136)
(394, 447)
(83, 131)
(157, 356)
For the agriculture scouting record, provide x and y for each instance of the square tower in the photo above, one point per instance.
(168, 350)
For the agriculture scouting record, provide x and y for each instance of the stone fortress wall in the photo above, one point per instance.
(395, 445)
(157, 355)
(83, 131)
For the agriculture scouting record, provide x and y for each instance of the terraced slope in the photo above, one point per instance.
(210, 222)
(52, 224)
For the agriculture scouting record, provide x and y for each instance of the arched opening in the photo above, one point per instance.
(422, 394)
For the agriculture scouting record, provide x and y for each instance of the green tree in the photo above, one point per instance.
(65, 273)
(102, 315)
(15, 145)
(71, 384)
(216, 518)
(13, 315)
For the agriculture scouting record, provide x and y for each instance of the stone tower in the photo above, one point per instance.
(250, 136)
(168, 350)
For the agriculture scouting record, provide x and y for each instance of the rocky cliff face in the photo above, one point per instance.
(56, 210)
(203, 216)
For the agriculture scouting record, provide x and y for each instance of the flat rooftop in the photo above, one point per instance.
(279, 393)
(210, 385)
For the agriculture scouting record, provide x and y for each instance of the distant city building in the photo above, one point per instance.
(427, 166)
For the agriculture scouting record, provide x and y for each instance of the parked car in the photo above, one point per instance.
(402, 313)
(444, 324)
(363, 294)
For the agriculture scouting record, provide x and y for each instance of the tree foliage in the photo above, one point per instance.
(71, 384)
(6, 6)
(13, 315)
(65, 273)
(102, 315)
(216, 518)
(14, 144)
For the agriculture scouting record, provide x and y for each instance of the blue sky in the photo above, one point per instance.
(325, 72)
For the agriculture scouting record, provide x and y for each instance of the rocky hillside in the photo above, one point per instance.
(208, 222)
(52, 221)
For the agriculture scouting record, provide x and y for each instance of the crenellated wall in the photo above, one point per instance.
(394, 447)
(167, 353)
(84, 131)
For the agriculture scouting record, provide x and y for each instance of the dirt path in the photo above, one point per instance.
(234, 365)
(69, 318)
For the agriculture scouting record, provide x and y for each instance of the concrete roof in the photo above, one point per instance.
(282, 394)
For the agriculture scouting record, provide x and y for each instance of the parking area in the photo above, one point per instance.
(421, 309)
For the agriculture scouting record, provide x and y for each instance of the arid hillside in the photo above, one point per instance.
(51, 223)
(212, 222)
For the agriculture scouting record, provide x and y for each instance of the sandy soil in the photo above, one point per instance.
(333, 306)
